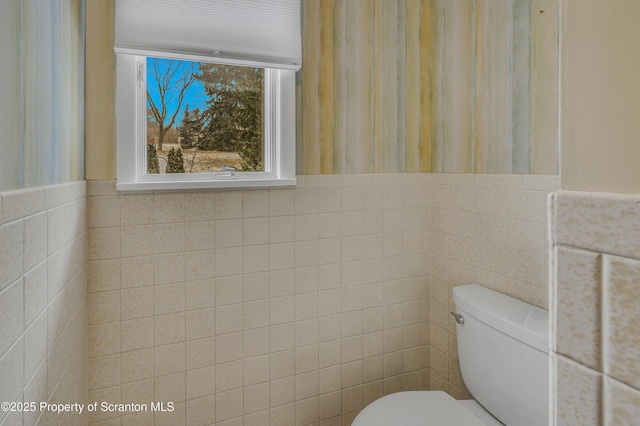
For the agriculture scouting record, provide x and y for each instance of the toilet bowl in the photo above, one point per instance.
(419, 408)
(503, 352)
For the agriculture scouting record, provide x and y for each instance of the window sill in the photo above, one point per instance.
(206, 184)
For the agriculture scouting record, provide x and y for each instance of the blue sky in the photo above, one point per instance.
(195, 96)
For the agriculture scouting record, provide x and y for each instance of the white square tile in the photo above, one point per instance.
(527, 236)
(392, 196)
(578, 311)
(168, 238)
(306, 279)
(282, 310)
(104, 339)
(103, 211)
(255, 258)
(579, 394)
(135, 302)
(169, 298)
(281, 283)
(281, 202)
(169, 359)
(200, 265)
(541, 182)
(601, 222)
(199, 206)
(200, 323)
(306, 253)
(103, 307)
(11, 371)
(256, 314)
(329, 225)
(306, 200)
(462, 198)
(11, 315)
(330, 251)
(169, 328)
(136, 209)
(134, 272)
(228, 376)
(21, 203)
(255, 231)
(329, 276)
(200, 353)
(255, 203)
(35, 292)
(352, 198)
(256, 342)
(104, 243)
(137, 240)
(200, 294)
(621, 403)
(281, 256)
(351, 223)
(491, 201)
(168, 208)
(256, 286)
(372, 221)
(491, 229)
(35, 246)
(199, 236)
(306, 227)
(169, 268)
(201, 382)
(281, 337)
(281, 229)
(228, 233)
(281, 364)
(526, 205)
(11, 252)
(372, 197)
(306, 359)
(104, 372)
(229, 347)
(329, 199)
(621, 297)
(412, 195)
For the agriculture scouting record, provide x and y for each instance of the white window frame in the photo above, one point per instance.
(279, 132)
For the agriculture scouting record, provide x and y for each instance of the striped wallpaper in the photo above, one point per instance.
(429, 85)
(41, 92)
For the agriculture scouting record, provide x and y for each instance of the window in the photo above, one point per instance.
(204, 117)
(191, 119)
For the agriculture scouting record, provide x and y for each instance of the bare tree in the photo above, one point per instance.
(170, 82)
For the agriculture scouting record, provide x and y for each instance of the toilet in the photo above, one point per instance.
(503, 347)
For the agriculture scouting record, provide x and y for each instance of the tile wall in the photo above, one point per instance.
(595, 315)
(43, 309)
(298, 306)
(286, 306)
(487, 229)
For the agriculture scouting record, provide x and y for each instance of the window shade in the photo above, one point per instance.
(251, 31)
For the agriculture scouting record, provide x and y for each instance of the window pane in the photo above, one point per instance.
(203, 116)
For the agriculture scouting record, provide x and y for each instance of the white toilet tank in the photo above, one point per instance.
(503, 348)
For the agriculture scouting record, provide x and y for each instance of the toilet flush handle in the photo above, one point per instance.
(459, 318)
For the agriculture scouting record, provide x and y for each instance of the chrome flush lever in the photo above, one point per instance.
(231, 170)
(459, 318)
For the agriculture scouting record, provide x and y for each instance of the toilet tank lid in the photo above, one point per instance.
(522, 321)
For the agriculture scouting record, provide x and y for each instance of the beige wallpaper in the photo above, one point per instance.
(41, 92)
(397, 86)
(100, 120)
(432, 85)
(600, 91)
